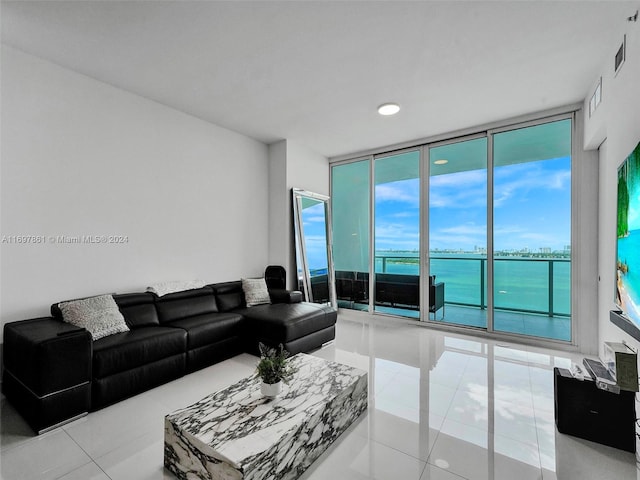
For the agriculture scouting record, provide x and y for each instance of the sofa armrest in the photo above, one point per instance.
(285, 296)
(47, 355)
(47, 374)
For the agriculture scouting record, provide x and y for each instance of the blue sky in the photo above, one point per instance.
(532, 207)
(315, 236)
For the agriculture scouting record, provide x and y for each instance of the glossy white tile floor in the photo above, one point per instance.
(441, 407)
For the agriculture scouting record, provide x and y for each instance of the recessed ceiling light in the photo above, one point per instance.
(388, 109)
(441, 162)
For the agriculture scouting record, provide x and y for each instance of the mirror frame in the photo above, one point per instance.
(302, 266)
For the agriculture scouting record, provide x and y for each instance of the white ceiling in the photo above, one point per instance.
(315, 71)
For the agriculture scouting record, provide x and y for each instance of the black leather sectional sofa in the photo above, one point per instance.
(54, 371)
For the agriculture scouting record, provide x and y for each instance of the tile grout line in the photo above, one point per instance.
(91, 459)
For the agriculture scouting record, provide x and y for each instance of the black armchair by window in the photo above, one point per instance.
(275, 277)
(436, 296)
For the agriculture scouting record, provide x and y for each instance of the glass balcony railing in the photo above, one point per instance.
(521, 284)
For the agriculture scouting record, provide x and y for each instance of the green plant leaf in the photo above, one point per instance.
(274, 365)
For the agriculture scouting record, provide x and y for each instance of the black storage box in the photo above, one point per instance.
(583, 410)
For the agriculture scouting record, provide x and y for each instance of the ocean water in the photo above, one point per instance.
(520, 283)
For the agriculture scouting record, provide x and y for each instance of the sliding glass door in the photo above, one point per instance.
(458, 232)
(490, 215)
(532, 230)
(350, 199)
(397, 234)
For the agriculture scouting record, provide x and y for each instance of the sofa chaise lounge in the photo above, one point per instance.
(54, 371)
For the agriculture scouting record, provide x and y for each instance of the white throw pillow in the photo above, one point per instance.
(99, 315)
(164, 288)
(255, 291)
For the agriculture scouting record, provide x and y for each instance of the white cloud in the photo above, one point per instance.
(459, 179)
(458, 190)
(314, 218)
(413, 214)
(397, 236)
(404, 191)
(462, 198)
(466, 229)
(523, 178)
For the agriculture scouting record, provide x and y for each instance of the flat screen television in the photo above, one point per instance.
(627, 291)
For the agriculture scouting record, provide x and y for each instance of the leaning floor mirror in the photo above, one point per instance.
(314, 260)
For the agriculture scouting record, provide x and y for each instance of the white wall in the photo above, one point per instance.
(300, 167)
(585, 247)
(80, 157)
(279, 208)
(618, 120)
(307, 169)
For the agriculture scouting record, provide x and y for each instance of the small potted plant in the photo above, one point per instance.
(274, 369)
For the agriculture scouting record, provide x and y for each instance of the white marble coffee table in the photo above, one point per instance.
(237, 434)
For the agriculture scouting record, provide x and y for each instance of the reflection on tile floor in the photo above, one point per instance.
(522, 323)
(441, 407)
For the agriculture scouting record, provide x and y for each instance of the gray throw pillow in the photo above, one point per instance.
(99, 315)
(255, 291)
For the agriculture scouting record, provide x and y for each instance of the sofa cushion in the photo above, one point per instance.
(99, 315)
(190, 303)
(281, 322)
(209, 328)
(138, 309)
(285, 296)
(229, 295)
(255, 291)
(132, 349)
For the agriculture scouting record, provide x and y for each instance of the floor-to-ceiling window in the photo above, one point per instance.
(350, 201)
(532, 230)
(496, 225)
(458, 231)
(397, 233)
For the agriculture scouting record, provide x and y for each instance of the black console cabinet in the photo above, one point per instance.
(583, 410)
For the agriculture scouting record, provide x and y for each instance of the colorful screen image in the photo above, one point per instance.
(628, 233)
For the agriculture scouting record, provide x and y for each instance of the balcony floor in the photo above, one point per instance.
(555, 328)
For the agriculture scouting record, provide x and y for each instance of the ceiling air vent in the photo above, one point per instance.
(620, 54)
